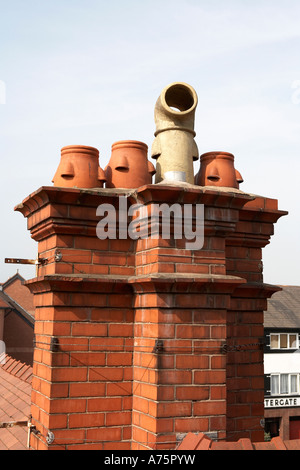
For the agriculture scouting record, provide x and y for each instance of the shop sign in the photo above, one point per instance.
(282, 402)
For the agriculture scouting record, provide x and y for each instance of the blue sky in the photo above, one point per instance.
(89, 72)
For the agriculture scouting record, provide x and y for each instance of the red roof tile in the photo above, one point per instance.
(15, 289)
(15, 401)
(202, 442)
(4, 304)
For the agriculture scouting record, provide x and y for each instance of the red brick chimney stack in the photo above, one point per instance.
(138, 342)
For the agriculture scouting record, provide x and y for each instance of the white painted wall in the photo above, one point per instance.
(282, 363)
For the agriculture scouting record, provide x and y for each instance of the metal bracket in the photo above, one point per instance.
(54, 344)
(225, 348)
(50, 437)
(11, 424)
(57, 256)
(36, 262)
(159, 346)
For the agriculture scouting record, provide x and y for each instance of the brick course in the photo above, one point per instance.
(138, 341)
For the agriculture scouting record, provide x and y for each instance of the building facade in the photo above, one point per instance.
(16, 320)
(282, 364)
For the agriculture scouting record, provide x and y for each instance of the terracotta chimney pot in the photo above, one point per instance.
(217, 169)
(128, 166)
(79, 168)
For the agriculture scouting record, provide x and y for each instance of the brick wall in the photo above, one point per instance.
(245, 320)
(136, 339)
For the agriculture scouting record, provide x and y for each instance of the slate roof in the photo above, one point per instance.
(15, 400)
(284, 309)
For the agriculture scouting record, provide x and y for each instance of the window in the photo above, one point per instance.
(294, 383)
(293, 341)
(284, 341)
(274, 344)
(274, 384)
(285, 384)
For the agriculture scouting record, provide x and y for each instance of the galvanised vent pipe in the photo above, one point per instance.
(174, 147)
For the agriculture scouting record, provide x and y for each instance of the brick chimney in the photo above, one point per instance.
(140, 341)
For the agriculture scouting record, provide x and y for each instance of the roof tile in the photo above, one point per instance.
(283, 308)
(15, 402)
(194, 442)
